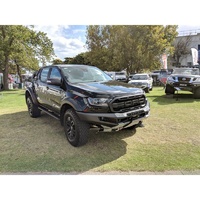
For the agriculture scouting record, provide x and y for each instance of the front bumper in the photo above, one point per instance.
(142, 86)
(184, 86)
(115, 121)
(122, 80)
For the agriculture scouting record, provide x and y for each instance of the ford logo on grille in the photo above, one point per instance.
(183, 79)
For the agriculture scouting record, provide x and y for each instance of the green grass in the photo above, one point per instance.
(169, 140)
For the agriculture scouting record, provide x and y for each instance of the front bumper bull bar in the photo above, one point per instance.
(116, 121)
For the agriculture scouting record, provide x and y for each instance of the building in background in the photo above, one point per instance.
(192, 42)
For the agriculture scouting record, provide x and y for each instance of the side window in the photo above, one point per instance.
(44, 74)
(55, 73)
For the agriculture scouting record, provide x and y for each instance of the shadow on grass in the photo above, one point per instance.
(39, 145)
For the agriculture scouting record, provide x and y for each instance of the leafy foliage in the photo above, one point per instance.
(78, 59)
(134, 48)
(67, 60)
(57, 61)
(23, 47)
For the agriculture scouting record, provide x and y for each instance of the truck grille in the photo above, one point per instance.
(183, 79)
(125, 104)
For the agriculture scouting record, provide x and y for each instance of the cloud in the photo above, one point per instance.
(68, 41)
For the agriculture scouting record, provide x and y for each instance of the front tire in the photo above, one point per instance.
(76, 130)
(32, 108)
(169, 90)
(146, 90)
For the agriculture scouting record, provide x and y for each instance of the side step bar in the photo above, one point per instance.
(49, 113)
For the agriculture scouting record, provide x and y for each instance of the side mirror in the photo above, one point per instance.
(54, 81)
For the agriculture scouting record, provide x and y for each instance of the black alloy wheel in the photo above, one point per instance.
(70, 129)
(76, 130)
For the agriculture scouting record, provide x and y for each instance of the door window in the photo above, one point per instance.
(44, 74)
(55, 74)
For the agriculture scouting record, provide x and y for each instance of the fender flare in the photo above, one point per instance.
(67, 104)
(29, 92)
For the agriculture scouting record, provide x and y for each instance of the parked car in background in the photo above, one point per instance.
(143, 81)
(121, 76)
(186, 79)
(118, 76)
(155, 76)
(131, 75)
(160, 76)
(111, 74)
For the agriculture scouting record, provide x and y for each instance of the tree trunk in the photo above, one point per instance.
(19, 72)
(177, 61)
(5, 74)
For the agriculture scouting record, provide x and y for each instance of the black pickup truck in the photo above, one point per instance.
(184, 78)
(84, 97)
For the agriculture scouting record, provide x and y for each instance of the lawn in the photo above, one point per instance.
(169, 140)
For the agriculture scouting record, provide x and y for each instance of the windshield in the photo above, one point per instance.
(139, 77)
(120, 73)
(84, 74)
(186, 71)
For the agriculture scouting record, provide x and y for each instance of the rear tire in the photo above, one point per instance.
(32, 108)
(76, 130)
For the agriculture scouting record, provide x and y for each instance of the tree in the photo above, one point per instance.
(24, 47)
(68, 60)
(80, 59)
(181, 48)
(57, 61)
(98, 45)
(134, 48)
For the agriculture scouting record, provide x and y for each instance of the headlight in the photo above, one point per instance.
(196, 80)
(98, 101)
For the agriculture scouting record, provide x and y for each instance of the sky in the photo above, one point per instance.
(68, 40)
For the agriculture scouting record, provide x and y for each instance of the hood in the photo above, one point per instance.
(138, 81)
(184, 75)
(120, 76)
(109, 88)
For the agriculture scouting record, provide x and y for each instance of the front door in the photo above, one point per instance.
(54, 92)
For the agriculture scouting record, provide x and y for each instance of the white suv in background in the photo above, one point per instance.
(143, 81)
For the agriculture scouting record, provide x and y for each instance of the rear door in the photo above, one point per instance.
(55, 92)
(41, 86)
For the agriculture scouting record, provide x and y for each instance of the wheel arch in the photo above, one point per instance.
(29, 92)
(64, 107)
